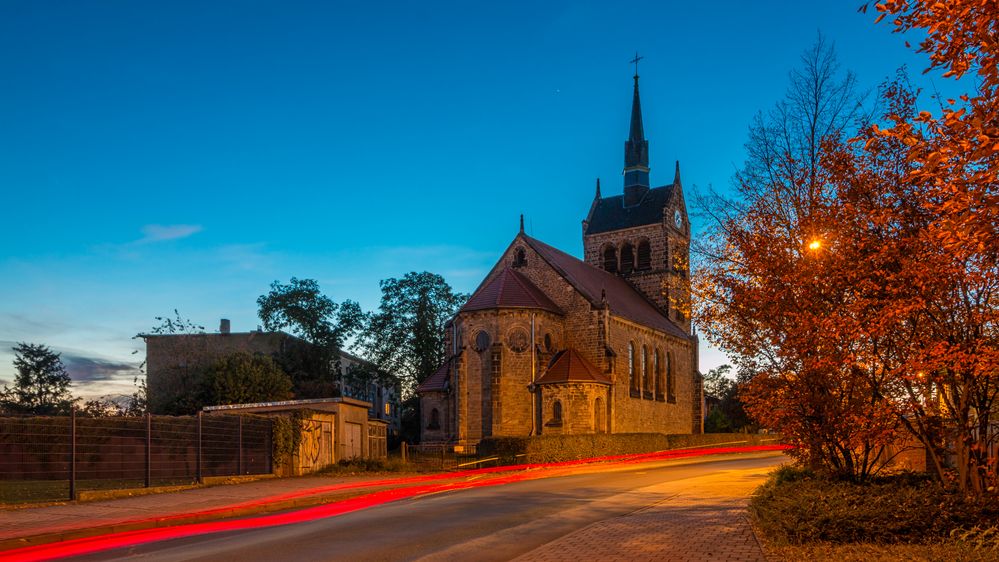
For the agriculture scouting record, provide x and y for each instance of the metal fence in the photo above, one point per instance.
(445, 457)
(54, 458)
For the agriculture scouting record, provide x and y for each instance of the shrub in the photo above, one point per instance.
(795, 507)
(365, 465)
(287, 436)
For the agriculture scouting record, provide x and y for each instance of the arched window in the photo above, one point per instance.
(645, 368)
(435, 419)
(520, 259)
(660, 383)
(670, 380)
(627, 258)
(482, 341)
(644, 255)
(557, 413)
(599, 415)
(632, 380)
(610, 258)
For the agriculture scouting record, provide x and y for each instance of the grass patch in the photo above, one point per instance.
(796, 507)
(939, 552)
(33, 491)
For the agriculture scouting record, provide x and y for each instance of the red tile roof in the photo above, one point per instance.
(592, 282)
(438, 381)
(510, 289)
(569, 366)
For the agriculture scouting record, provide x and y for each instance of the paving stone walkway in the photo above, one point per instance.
(706, 519)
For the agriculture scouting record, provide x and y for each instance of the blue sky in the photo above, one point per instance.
(162, 155)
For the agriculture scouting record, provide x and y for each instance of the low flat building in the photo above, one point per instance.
(332, 429)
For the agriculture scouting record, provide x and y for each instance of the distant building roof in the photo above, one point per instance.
(283, 405)
(510, 289)
(255, 333)
(569, 366)
(610, 213)
(594, 283)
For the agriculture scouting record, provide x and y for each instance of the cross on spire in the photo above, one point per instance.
(635, 62)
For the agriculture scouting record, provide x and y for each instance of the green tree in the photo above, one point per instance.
(406, 336)
(41, 385)
(175, 389)
(301, 309)
(243, 378)
(727, 413)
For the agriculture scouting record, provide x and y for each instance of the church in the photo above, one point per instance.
(551, 344)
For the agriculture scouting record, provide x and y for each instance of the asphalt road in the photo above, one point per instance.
(488, 523)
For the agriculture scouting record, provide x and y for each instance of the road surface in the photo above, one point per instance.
(489, 523)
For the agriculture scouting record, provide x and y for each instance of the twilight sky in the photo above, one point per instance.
(162, 155)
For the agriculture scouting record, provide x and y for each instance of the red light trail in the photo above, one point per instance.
(417, 485)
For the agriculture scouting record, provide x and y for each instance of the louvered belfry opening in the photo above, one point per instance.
(644, 255)
(627, 258)
(610, 259)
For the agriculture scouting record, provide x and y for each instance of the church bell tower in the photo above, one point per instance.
(643, 234)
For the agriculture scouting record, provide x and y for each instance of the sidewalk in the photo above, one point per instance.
(704, 519)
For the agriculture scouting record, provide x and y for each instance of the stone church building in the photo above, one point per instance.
(550, 344)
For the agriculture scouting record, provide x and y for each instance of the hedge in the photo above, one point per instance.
(559, 448)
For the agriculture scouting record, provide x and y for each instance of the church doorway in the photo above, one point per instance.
(599, 416)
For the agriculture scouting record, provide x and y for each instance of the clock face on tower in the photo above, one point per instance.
(677, 219)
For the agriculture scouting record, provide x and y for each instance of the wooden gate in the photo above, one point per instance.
(352, 441)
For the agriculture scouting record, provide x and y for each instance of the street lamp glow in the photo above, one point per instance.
(814, 245)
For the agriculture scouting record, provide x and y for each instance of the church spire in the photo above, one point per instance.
(636, 151)
(637, 133)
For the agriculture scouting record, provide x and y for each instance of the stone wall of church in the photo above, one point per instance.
(649, 281)
(497, 368)
(442, 430)
(583, 408)
(665, 283)
(650, 408)
(581, 322)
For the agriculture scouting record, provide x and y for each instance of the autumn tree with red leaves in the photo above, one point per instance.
(951, 177)
(860, 281)
(772, 280)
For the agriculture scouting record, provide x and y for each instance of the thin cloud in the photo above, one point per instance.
(83, 368)
(90, 369)
(162, 232)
